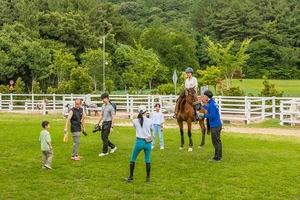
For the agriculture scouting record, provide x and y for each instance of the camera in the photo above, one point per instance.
(84, 133)
(97, 128)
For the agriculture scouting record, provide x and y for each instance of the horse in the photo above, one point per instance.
(188, 107)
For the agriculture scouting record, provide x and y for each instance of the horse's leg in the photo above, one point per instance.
(181, 134)
(203, 130)
(189, 123)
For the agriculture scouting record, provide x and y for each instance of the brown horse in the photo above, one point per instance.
(187, 112)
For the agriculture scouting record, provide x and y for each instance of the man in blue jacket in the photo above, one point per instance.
(213, 116)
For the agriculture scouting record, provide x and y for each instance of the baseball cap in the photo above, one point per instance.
(142, 109)
(104, 95)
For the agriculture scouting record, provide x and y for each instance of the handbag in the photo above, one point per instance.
(148, 139)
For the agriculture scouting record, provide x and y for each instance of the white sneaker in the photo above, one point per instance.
(162, 147)
(113, 150)
(48, 167)
(152, 147)
(103, 154)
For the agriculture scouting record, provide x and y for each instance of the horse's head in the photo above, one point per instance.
(190, 95)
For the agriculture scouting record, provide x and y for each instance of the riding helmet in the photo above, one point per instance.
(208, 93)
(189, 70)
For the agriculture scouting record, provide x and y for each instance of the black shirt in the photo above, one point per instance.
(76, 119)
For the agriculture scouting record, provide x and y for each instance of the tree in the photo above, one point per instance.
(80, 81)
(144, 67)
(62, 64)
(228, 63)
(209, 76)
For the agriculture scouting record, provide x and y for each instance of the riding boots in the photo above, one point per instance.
(148, 169)
(130, 178)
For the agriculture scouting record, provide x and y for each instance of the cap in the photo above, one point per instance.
(142, 109)
(208, 93)
(104, 95)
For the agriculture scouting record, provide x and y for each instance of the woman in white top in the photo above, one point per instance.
(190, 82)
(143, 128)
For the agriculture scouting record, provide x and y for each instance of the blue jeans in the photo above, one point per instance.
(138, 147)
(157, 129)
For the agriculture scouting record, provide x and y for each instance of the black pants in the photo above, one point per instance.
(104, 136)
(216, 141)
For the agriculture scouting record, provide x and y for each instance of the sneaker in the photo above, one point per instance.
(113, 150)
(162, 148)
(152, 147)
(79, 157)
(129, 179)
(48, 166)
(148, 179)
(103, 154)
(43, 167)
(75, 158)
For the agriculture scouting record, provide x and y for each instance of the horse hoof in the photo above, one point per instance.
(190, 149)
(180, 148)
(199, 147)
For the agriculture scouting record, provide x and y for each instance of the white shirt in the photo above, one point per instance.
(191, 83)
(145, 131)
(157, 118)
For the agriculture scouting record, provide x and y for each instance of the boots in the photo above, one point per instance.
(148, 169)
(130, 178)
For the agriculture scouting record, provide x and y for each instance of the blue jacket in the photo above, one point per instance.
(213, 114)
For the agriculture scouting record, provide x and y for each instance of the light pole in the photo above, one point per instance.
(104, 62)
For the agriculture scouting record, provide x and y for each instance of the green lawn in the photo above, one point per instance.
(254, 166)
(289, 87)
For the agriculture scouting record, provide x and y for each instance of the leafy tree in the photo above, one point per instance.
(269, 89)
(80, 81)
(228, 63)
(144, 67)
(209, 76)
(62, 64)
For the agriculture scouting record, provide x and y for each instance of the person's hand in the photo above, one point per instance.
(65, 130)
(200, 115)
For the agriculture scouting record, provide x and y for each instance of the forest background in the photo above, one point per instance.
(61, 46)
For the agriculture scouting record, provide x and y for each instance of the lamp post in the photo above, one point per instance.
(104, 62)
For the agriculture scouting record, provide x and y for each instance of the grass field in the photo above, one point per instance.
(254, 86)
(254, 166)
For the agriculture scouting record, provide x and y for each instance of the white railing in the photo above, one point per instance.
(246, 109)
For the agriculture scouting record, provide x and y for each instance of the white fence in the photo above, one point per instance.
(246, 109)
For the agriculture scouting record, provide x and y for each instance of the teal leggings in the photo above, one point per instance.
(141, 145)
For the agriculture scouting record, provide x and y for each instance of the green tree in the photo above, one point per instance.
(228, 63)
(80, 81)
(209, 76)
(144, 67)
(62, 64)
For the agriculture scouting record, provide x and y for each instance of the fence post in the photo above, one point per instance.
(32, 101)
(54, 102)
(263, 106)
(11, 102)
(248, 113)
(0, 101)
(127, 103)
(26, 106)
(131, 108)
(273, 107)
(281, 113)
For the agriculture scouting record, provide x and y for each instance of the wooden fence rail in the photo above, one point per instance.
(246, 109)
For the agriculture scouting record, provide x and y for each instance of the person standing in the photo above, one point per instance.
(143, 128)
(158, 124)
(76, 116)
(46, 147)
(107, 114)
(190, 82)
(213, 116)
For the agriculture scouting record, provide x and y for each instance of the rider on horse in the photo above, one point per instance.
(190, 82)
